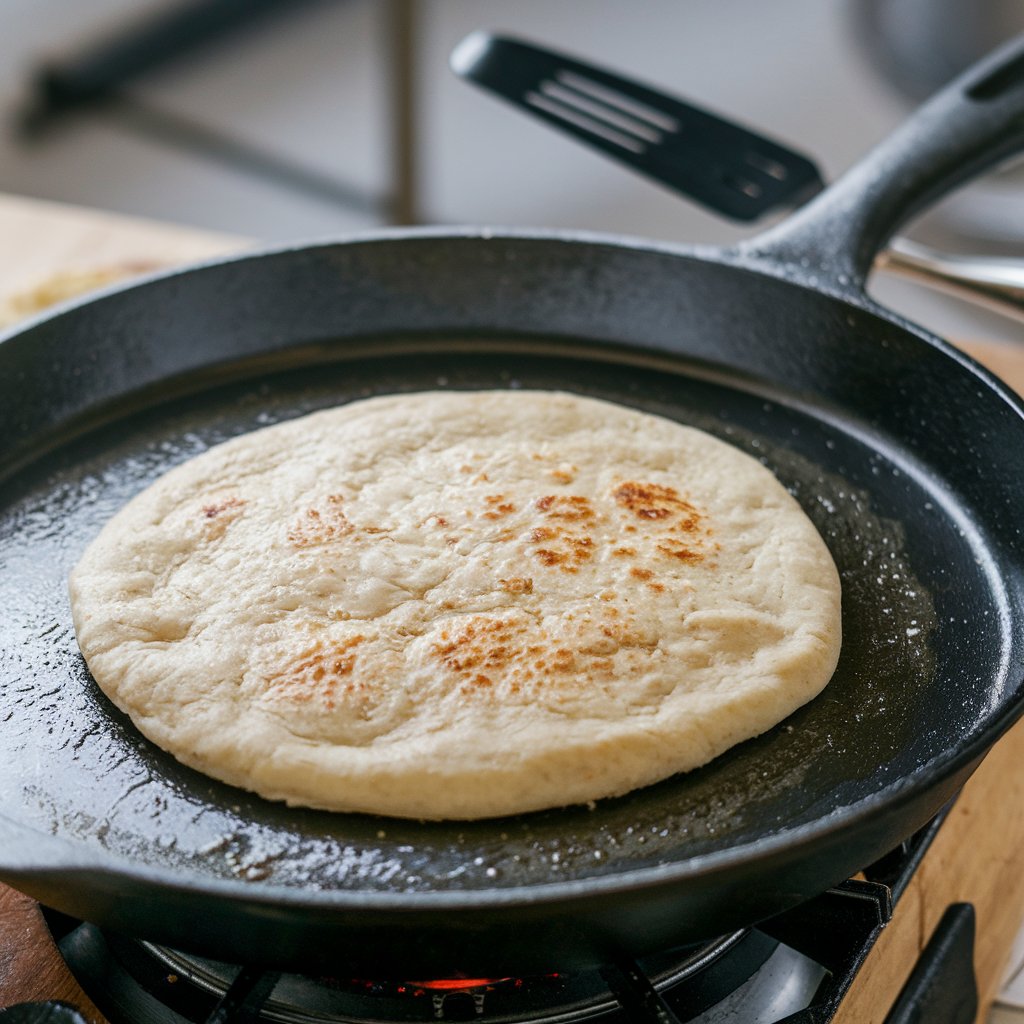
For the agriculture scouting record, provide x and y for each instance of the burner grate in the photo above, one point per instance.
(799, 963)
(297, 999)
(134, 981)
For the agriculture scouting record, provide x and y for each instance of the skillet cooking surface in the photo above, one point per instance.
(78, 769)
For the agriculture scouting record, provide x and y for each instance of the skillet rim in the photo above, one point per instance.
(808, 837)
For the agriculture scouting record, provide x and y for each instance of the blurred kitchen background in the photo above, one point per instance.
(292, 119)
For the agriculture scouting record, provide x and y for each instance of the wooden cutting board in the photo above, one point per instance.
(40, 241)
(49, 252)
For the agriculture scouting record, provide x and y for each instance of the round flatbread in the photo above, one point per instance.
(459, 605)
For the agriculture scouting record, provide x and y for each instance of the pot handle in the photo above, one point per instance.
(970, 125)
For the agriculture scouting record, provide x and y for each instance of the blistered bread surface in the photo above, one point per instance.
(459, 605)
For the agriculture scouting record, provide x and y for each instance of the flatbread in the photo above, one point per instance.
(459, 605)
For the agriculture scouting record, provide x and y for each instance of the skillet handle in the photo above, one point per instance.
(970, 125)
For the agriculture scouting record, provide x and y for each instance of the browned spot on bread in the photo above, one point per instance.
(624, 552)
(582, 548)
(228, 504)
(322, 524)
(675, 526)
(656, 501)
(566, 507)
(563, 474)
(517, 585)
(494, 657)
(480, 642)
(640, 574)
(677, 549)
(625, 634)
(218, 516)
(497, 506)
(567, 545)
(549, 557)
(320, 673)
(563, 660)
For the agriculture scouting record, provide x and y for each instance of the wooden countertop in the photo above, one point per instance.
(39, 239)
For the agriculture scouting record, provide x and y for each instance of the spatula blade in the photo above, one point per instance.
(721, 165)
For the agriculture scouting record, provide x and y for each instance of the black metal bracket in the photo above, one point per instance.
(942, 988)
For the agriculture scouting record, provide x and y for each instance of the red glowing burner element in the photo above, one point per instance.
(440, 987)
(460, 984)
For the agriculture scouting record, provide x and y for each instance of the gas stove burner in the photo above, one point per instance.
(802, 964)
(801, 960)
(547, 997)
(132, 980)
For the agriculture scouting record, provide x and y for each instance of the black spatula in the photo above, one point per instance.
(726, 168)
(719, 164)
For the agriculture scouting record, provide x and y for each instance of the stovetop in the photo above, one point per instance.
(795, 967)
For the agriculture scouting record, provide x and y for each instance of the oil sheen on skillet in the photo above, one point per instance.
(119, 792)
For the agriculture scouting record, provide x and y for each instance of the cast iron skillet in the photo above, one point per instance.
(908, 457)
